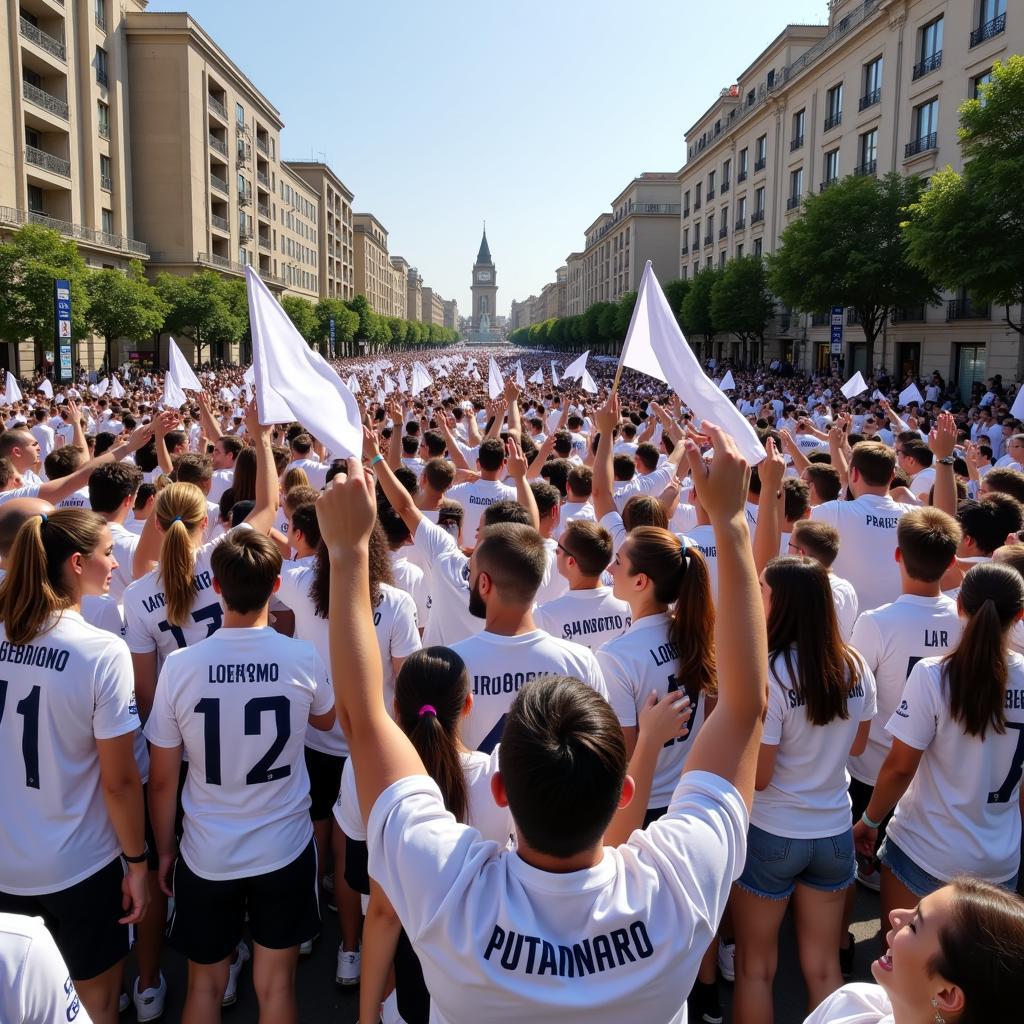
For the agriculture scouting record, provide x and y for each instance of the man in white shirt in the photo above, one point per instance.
(302, 458)
(23, 450)
(42, 432)
(1014, 457)
(225, 451)
(112, 491)
(821, 542)
(549, 507)
(915, 459)
(476, 495)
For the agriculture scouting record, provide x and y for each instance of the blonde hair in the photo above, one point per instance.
(180, 510)
(35, 587)
(295, 477)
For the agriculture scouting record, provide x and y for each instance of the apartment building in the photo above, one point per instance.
(431, 307)
(520, 313)
(451, 314)
(64, 136)
(399, 286)
(297, 235)
(336, 270)
(875, 90)
(372, 265)
(574, 284)
(414, 295)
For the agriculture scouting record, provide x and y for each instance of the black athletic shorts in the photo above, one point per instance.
(860, 797)
(83, 920)
(324, 772)
(357, 872)
(283, 908)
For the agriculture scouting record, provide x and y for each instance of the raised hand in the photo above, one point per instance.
(722, 483)
(346, 511)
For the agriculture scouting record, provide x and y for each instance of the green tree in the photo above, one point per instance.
(30, 262)
(206, 308)
(124, 305)
(361, 307)
(967, 230)
(741, 302)
(675, 292)
(623, 316)
(696, 307)
(848, 249)
(302, 313)
(346, 323)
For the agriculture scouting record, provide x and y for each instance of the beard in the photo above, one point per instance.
(477, 605)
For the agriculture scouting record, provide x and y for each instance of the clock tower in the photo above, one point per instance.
(484, 286)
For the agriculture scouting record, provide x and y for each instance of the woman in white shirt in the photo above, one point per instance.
(953, 772)
(821, 699)
(957, 958)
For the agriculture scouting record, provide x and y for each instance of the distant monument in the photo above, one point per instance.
(485, 298)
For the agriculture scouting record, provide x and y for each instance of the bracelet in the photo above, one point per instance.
(876, 825)
(377, 458)
(142, 857)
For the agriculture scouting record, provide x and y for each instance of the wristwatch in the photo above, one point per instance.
(946, 460)
(140, 859)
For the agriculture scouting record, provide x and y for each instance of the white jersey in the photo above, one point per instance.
(867, 543)
(125, 543)
(618, 941)
(961, 814)
(34, 984)
(589, 617)
(844, 597)
(500, 666)
(316, 471)
(238, 703)
(450, 619)
(474, 497)
(892, 640)
(808, 797)
(703, 538)
(570, 511)
(494, 823)
(68, 688)
(859, 1003)
(642, 661)
(45, 436)
(76, 499)
(410, 578)
(222, 479)
(553, 584)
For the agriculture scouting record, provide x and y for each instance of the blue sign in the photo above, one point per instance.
(837, 330)
(62, 306)
(331, 329)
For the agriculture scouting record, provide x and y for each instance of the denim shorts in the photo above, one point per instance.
(775, 864)
(914, 877)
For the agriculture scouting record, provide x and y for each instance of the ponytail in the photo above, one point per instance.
(180, 510)
(430, 694)
(35, 588)
(380, 572)
(975, 673)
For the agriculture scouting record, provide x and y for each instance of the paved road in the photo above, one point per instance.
(320, 1002)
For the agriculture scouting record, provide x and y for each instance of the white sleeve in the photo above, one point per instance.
(859, 1003)
(772, 735)
(138, 638)
(915, 721)
(114, 710)
(405, 636)
(433, 541)
(323, 695)
(655, 482)
(826, 512)
(621, 688)
(867, 640)
(346, 807)
(162, 728)
(870, 695)
(612, 522)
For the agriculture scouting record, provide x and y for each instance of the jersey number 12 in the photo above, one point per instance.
(261, 771)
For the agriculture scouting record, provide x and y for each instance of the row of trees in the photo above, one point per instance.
(206, 307)
(876, 246)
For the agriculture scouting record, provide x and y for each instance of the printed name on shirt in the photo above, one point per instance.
(666, 653)
(245, 672)
(598, 624)
(1015, 700)
(882, 522)
(34, 654)
(797, 701)
(202, 581)
(708, 550)
(586, 957)
(936, 638)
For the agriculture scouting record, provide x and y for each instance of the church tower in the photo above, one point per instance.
(485, 285)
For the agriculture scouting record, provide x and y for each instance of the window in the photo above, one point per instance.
(741, 173)
(926, 125)
(243, 256)
(35, 199)
(872, 93)
(685, 271)
(107, 221)
(758, 246)
(761, 153)
(739, 250)
(929, 48)
(100, 8)
(721, 259)
(991, 20)
(101, 66)
(239, 114)
(796, 186)
(697, 190)
(799, 122)
(33, 138)
(978, 82)
(103, 119)
(831, 166)
(686, 203)
(711, 184)
(868, 149)
(834, 106)
(741, 212)
(726, 172)
(106, 181)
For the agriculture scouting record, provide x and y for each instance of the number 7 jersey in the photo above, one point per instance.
(239, 703)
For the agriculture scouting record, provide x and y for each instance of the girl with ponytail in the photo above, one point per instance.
(954, 771)
(432, 697)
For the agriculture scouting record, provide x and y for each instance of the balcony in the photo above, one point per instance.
(101, 20)
(723, 231)
(263, 209)
(708, 240)
(684, 249)
(43, 40)
(793, 202)
(761, 164)
(696, 205)
(220, 223)
(866, 168)
(833, 121)
(796, 143)
(870, 99)
(263, 179)
(43, 99)
(262, 146)
(921, 145)
(915, 315)
(965, 309)
(264, 244)
(219, 184)
(928, 64)
(10, 215)
(827, 183)
(47, 161)
(218, 144)
(819, 320)
(988, 30)
(101, 77)
(711, 194)
(756, 217)
(217, 107)
(220, 262)
(724, 188)
(242, 153)
(741, 177)
(669, 208)
(686, 211)
(104, 131)
(244, 235)
(740, 225)
(244, 199)
(106, 183)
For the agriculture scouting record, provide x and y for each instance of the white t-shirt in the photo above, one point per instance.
(571, 510)
(703, 538)
(73, 685)
(316, 472)
(621, 940)
(642, 661)
(588, 617)
(845, 599)
(450, 619)
(922, 483)
(222, 479)
(125, 543)
(76, 499)
(475, 496)
(807, 797)
(960, 814)
(867, 542)
(45, 436)
(892, 640)
(859, 1003)
(499, 666)
(410, 578)
(239, 704)
(554, 584)
(34, 984)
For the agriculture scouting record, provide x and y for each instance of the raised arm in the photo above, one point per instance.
(162, 423)
(54, 490)
(601, 493)
(261, 518)
(399, 498)
(792, 449)
(78, 433)
(211, 428)
(515, 416)
(942, 440)
(768, 532)
(446, 424)
(515, 460)
(394, 456)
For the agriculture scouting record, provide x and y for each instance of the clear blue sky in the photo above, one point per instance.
(531, 114)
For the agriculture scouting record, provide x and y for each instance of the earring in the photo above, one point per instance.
(939, 1019)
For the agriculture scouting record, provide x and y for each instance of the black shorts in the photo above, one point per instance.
(357, 872)
(83, 920)
(324, 772)
(860, 797)
(152, 856)
(283, 908)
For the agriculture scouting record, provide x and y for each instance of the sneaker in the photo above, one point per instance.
(347, 974)
(123, 1002)
(306, 948)
(703, 1005)
(149, 1003)
(868, 875)
(846, 957)
(242, 954)
(727, 960)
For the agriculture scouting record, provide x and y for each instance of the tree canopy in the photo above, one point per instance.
(124, 305)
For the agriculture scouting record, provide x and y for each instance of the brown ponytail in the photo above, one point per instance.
(35, 587)
(180, 510)
(975, 672)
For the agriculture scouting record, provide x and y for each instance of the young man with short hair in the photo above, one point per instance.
(820, 541)
(475, 495)
(112, 492)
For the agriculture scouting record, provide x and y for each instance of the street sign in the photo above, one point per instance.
(62, 306)
(837, 330)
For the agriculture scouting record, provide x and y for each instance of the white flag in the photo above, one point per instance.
(911, 394)
(381, 397)
(46, 387)
(226, 396)
(389, 385)
(537, 377)
(520, 378)
(116, 387)
(353, 384)
(876, 395)
(588, 382)
(179, 369)
(576, 367)
(728, 384)
(855, 386)
(101, 388)
(174, 397)
(554, 375)
(1017, 409)
(495, 384)
(295, 382)
(420, 378)
(403, 384)
(475, 375)
(12, 393)
(655, 345)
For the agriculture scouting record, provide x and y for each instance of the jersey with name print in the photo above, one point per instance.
(450, 619)
(961, 813)
(621, 940)
(475, 497)
(892, 640)
(500, 666)
(808, 796)
(59, 694)
(642, 661)
(589, 617)
(239, 703)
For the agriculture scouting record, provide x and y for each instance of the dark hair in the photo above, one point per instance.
(395, 530)
(243, 483)
(556, 472)
(143, 494)
(62, 462)
(623, 468)
(927, 539)
(104, 440)
(825, 480)
(380, 572)
(110, 484)
(975, 672)
(819, 539)
(1005, 481)
(918, 451)
(231, 444)
(193, 468)
(589, 543)
(410, 445)
(436, 677)
(245, 565)
(515, 558)
(439, 474)
(643, 510)
(647, 456)
(803, 615)
(508, 510)
(434, 443)
(304, 519)
(563, 443)
(875, 462)
(546, 496)
(301, 443)
(563, 763)
(796, 498)
(990, 520)
(580, 481)
(491, 454)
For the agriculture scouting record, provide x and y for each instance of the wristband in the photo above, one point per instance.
(142, 857)
(876, 825)
(377, 458)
